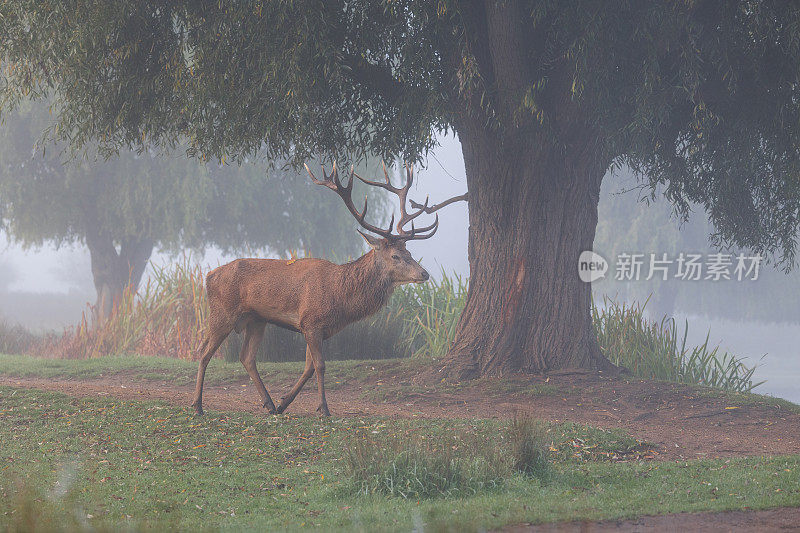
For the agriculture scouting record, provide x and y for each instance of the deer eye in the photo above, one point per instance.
(396, 257)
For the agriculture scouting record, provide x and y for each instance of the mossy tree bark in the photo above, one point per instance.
(532, 211)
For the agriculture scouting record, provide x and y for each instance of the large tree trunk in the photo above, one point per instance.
(532, 211)
(115, 270)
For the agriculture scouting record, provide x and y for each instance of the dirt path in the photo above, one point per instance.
(682, 422)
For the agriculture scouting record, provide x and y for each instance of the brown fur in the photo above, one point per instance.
(313, 296)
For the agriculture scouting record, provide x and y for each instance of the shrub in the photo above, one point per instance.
(528, 448)
(15, 339)
(456, 463)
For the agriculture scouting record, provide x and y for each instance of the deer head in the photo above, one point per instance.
(393, 258)
(389, 248)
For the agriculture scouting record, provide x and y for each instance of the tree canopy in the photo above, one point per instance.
(699, 97)
(172, 200)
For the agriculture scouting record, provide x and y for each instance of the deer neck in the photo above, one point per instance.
(365, 288)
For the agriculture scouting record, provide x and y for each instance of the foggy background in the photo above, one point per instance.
(48, 288)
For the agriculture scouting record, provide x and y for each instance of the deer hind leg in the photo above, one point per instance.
(314, 340)
(254, 332)
(217, 330)
(307, 371)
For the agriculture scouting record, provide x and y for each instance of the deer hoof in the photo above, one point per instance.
(270, 407)
(323, 410)
(198, 409)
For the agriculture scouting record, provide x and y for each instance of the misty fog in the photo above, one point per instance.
(48, 288)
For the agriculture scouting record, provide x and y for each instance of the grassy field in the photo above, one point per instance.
(135, 368)
(109, 464)
(105, 463)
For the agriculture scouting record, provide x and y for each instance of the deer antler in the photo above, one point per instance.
(332, 182)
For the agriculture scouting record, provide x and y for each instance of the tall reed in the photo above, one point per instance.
(658, 350)
(431, 312)
(165, 318)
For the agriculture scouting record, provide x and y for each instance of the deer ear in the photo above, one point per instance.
(374, 242)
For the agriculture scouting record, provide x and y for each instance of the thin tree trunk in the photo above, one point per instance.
(532, 211)
(114, 271)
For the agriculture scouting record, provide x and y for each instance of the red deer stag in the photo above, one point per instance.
(312, 296)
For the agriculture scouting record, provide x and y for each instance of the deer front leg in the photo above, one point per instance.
(213, 339)
(252, 338)
(314, 340)
(307, 371)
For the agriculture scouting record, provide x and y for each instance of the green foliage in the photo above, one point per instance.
(655, 350)
(701, 98)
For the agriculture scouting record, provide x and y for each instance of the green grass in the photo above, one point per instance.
(135, 367)
(112, 463)
(745, 399)
(181, 372)
(456, 463)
